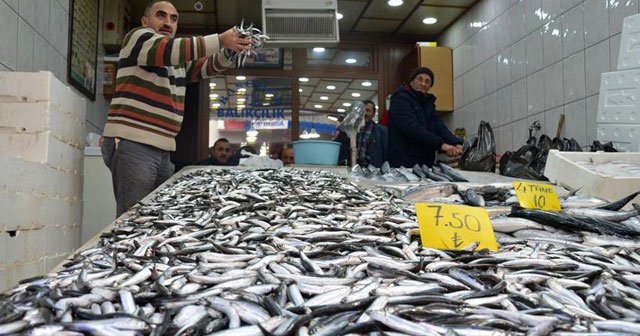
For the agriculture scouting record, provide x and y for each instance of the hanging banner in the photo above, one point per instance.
(271, 124)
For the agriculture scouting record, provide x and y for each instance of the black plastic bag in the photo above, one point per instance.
(479, 152)
(522, 163)
(607, 147)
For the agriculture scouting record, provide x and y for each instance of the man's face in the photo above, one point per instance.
(369, 112)
(287, 156)
(421, 83)
(162, 18)
(222, 152)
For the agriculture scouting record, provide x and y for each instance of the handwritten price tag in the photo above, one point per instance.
(533, 195)
(454, 227)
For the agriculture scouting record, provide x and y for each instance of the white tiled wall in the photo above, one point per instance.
(532, 60)
(35, 37)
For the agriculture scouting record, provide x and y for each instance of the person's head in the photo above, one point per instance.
(286, 154)
(221, 150)
(162, 17)
(370, 110)
(421, 79)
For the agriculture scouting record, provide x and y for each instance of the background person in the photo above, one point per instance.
(220, 154)
(371, 142)
(147, 107)
(286, 155)
(415, 130)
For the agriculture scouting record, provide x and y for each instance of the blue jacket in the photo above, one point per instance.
(376, 145)
(416, 132)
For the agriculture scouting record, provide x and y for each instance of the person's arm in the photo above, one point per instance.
(145, 47)
(210, 66)
(402, 114)
(446, 134)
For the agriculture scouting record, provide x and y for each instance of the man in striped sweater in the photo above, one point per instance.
(147, 108)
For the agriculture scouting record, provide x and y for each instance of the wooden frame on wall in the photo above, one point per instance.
(82, 57)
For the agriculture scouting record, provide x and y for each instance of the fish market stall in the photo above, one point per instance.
(307, 252)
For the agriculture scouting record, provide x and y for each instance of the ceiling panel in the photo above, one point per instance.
(380, 10)
(340, 86)
(445, 15)
(350, 11)
(377, 26)
(452, 3)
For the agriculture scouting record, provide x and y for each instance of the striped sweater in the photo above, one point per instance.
(153, 72)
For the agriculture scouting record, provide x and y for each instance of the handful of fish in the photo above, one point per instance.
(292, 252)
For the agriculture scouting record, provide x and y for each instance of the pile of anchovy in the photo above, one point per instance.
(290, 252)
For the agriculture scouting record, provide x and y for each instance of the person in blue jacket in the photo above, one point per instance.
(371, 142)
(416, 132)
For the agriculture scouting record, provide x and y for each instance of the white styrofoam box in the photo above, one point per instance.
(61, 239)
(26, 211)
(43, 148)
(629, 54)
(563, 170)
(39, 179)
(624, 137)
(42, 116)
(619, 100)
(39, 86)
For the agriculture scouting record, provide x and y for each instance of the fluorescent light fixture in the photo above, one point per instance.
(324, 98)
(266, 104)
(268, 95)
(346, 104)
(215, 105)
(242, 100)
(252, 139)
(241, 106)
(299, 90)
(355, 94)
(212, 85)
(332, 118)
(303, 79)
(318, 49)
(241, 77)
(318, 106)
(242, 90)
(339, 16)
(331, 87)
(367, 83)
(213, 96)
(429, 20)
(394, 3)
(350, 60)
(341, 110)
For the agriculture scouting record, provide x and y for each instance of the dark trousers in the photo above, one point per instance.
(136, 170)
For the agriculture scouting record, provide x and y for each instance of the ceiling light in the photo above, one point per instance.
(429, 20)
(251, 139)
(366, 83)
(350, 60)
(346, 104)
(252, 132)
(241, 106)
(341, 110)
(241, 77)
(303, 79)
(318, 49)
(299, 90)
(331, 87)
(241, 100)
(332, 118)
(212, 85)
(318, 106)
(215, 105)
(324, 98)
(213, 96)
(339, 16)
(355, 94)
(242, 90)
(394, 3)
(266, 104)
(268, 95)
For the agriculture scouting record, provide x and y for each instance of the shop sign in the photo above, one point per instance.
(271, 124)
(251, 113)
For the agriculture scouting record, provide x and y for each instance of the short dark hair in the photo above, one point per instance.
(375, 108)
(147, 10)
(219, 140)
(285, 146)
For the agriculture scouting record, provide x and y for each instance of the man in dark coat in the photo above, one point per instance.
(415, 130)
(372, 139)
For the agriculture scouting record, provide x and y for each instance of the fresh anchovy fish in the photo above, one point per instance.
(293, 252)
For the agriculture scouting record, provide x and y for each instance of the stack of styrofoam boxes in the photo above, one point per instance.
(42, 129)
(619, 102)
